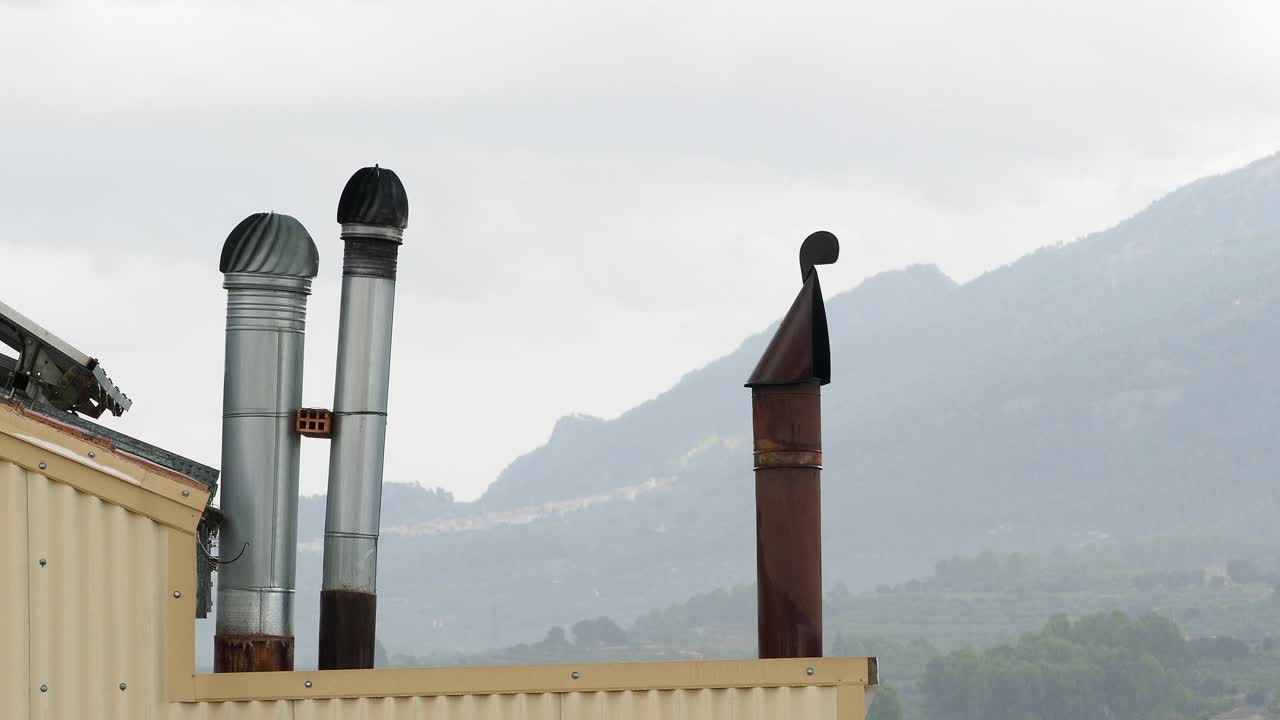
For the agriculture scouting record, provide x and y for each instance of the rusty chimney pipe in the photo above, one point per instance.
(786, 419)
(373, 212)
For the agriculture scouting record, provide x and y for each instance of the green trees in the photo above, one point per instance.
(598, 632)
(1104, 665)
(885, 705)
(1220, 648)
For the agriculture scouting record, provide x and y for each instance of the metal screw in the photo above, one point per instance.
(123, 686)
(575, 675)
(177, 594)
(93, 454)
(44, 688)
(185, 493)
(307, 683)
(808, 671)
(42, 466)
(43, 562)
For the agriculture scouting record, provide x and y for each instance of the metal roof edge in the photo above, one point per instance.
(44, 445)
(535, 679)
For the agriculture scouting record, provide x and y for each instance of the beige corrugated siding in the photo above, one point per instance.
(544, 706)
(727, 704)
(93, 617)
(14, 646)
(275, 710)
(96, 615)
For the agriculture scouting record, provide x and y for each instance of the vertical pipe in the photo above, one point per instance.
(373, 212)
(787, 425)
(268, 262)
(786, 421)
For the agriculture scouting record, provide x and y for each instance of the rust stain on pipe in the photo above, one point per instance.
(788, 520)
(347, 620)
(252, 653)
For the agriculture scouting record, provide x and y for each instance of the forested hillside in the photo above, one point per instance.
(1020, 636)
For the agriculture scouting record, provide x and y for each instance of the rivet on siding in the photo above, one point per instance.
(177, 594)
(186, 493)
(808, 671)
(575, 675)
(93, 454)
(44, 688)
(123, 686)
(43, 562)
(42, 466)
(307, 683)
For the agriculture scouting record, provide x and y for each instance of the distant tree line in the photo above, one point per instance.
(1100, 666)
(1100, 663)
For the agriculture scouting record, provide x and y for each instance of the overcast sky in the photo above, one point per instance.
(602, 197)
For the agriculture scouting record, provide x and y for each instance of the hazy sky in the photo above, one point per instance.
(602, 197)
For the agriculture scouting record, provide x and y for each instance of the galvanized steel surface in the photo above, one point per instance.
(357, 452)
(266, 321)
(373, 212)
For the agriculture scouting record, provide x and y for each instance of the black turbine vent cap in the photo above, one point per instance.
(270, 244)
(374, 196)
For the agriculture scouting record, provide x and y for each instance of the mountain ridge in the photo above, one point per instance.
(1119, 386)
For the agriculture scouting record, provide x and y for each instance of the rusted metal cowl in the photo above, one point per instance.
(786, 419)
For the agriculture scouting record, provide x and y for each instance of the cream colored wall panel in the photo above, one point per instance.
(95, 606)
(730, 704)
(751, 704)
(544, 706)
(811, 702)
(851, 702)
(15, 567)
(250, 710)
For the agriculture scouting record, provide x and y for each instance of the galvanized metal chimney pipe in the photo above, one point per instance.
(268, 262)
(373, 212)
(786, 420)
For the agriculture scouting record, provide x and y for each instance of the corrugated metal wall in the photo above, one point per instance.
(463, 707)
(747, 704)
(96, 615)
(14, 646)
(90, 619)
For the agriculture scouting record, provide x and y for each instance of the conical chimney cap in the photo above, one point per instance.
(800, 351)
